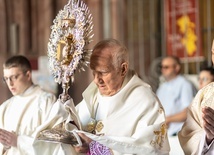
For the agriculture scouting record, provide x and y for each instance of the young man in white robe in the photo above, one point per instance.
(28, 112)
(119, 112)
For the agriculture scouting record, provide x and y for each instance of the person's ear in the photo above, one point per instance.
(177, 68)
(28, 74)
(124, 68)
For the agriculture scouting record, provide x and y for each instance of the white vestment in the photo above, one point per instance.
(192, 134)
(28, 114)
(135, 120)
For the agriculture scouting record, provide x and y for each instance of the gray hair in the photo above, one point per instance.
(119, 53)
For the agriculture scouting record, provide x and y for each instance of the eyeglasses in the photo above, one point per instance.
(166, 66)
(12, 78)
(204, 79)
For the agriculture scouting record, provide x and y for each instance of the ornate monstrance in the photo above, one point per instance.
(70, 34)
(67, 52)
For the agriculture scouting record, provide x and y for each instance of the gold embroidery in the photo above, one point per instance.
(99, 126)
(160, 110)
(159, 136)
(91, 126)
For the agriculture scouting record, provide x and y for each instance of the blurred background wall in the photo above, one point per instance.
(150, 29)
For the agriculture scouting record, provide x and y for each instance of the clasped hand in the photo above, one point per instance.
(7, 138)
(85, 144)
(208, 118)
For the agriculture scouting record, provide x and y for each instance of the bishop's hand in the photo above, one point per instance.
(85, 144)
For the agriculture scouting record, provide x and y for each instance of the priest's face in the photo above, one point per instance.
(17, 80)
(107, 76)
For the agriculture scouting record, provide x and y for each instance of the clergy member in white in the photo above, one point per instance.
(28, 112)
(197, 134)
(120, 110)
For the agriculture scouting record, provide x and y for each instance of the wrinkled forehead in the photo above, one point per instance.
(101, 57)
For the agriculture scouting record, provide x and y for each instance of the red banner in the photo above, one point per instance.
(182, 28)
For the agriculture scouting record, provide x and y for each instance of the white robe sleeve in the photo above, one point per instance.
(61, 112)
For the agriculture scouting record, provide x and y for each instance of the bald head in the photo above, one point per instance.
(110, 50)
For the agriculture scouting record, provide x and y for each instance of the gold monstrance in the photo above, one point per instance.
(70, 34)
